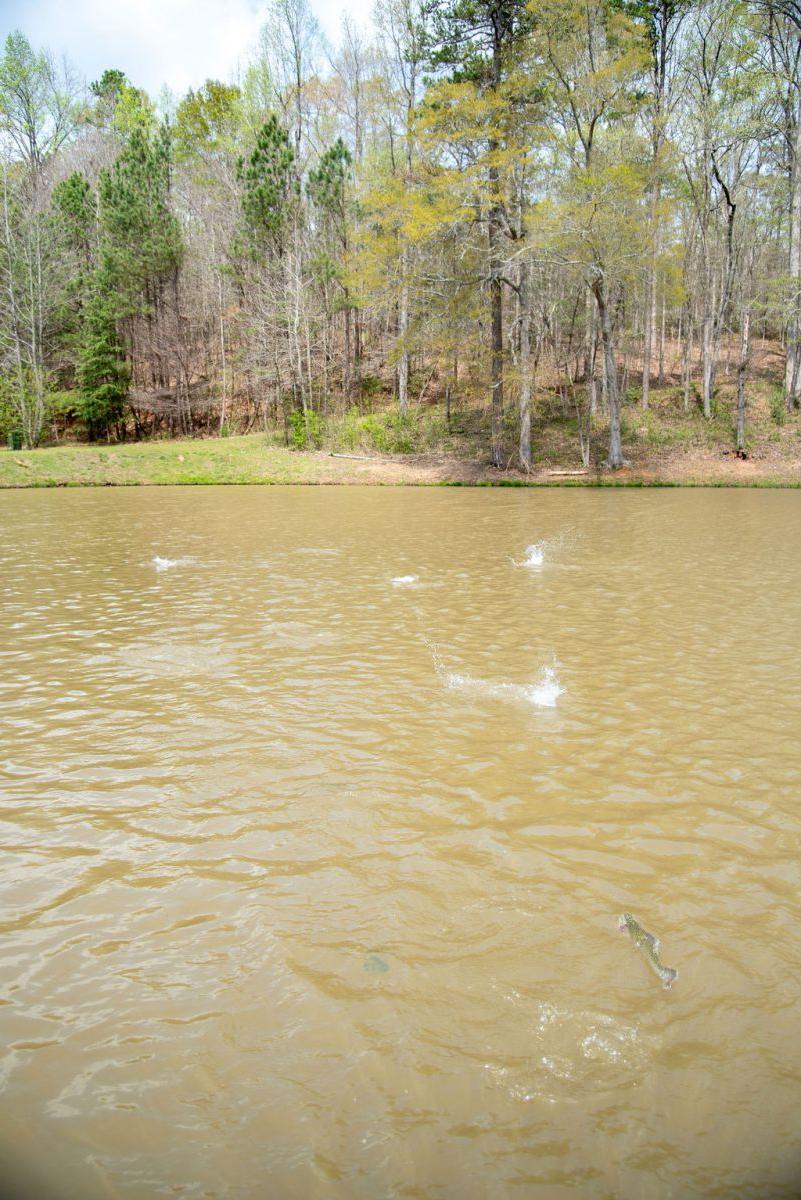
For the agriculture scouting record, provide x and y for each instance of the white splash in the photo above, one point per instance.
(166, 564)
(405, 580)
(535, 555)
(542, 694)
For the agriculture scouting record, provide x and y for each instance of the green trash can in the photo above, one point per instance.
(15, 440)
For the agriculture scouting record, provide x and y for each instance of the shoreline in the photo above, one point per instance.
(251, 460)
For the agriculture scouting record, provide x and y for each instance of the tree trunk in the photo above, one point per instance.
(591, 356)
(687, 366)
(222, 352)
(650, 300)
(792, 366)
(715, 314)
(707, 355)
(496, 318)
(403, 329)
(525, 366)
(742, 371)
(346, 365)
(648, 338)
(599, 288)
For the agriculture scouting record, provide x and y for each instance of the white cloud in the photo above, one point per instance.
(179, 43)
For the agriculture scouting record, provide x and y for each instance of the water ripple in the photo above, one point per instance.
(254, 739)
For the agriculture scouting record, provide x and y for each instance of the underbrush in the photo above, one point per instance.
(418, 432)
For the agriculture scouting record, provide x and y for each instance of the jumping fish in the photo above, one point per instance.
(375, 964)
(649, 946)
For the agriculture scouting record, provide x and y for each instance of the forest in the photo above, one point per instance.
(517, 212)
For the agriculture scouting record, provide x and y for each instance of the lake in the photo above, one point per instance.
(319, 810)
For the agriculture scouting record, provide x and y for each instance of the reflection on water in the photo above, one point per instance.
(318, 814)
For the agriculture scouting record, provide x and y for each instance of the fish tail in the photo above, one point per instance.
(669, 974)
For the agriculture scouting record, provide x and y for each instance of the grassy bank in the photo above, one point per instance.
(665, 446)
(252, 459)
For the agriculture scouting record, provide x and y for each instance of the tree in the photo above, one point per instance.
(662, 21)
(139, 249)
(38, 114)
(103, 375)
(268, 187)
(475, 41)
(208, 121)
(74, 206)
(402, 40)
(597, 57)
(725, 99)
(779, 24)
(39, 109)
(327, 189)
(291, 42)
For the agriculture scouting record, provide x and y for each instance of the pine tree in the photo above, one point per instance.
(140, 248)
(103, 375)
(269, 187)
(74, 213)
(327, 190)
(141, 241)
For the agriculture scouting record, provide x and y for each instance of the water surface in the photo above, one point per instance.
(319, 807)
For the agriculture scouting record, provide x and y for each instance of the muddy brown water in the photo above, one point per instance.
(319, 808)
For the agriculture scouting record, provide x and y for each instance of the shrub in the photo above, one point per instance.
(778, 405)
(306, 429)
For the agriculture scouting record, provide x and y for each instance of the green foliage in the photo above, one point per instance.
(778, 405)
(306, 429)
(388, 432)
(25, 403)
(37, 109)
(124, 249)
(370, 386)
(64, 403)
(468, 37)
(207, 121)
(119, 106)
(74, 202)
(74, 215)
(107, 90)
(8, 417)
(326, 185)
(102, 371)
(269, 186)
(140, 237)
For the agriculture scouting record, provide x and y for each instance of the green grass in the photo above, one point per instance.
(249, 459)
(252, 459)
(666, 446)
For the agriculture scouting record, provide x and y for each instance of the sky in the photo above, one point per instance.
(179, 43)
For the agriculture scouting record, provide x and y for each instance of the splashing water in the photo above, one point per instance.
(542, 694)
(405, 580)
(165, 564)
(536, 553)
(534, 557)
